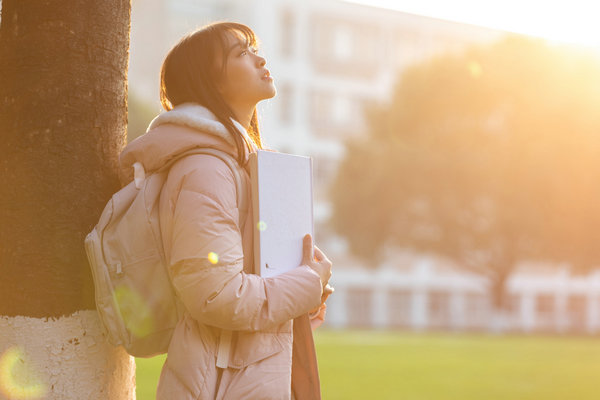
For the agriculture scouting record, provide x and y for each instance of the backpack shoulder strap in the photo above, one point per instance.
(233, 165)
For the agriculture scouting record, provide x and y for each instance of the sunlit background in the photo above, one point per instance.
(456, 150)
(562, 21)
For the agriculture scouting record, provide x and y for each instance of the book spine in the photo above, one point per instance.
(312, 201)
(253, 164)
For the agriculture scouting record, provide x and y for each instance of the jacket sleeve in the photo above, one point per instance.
(206, 259)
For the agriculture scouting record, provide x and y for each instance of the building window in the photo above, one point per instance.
(342, 43)
(544, 311)
(399, 307)
(342, 111)
(439, 309)
(285, 103)
(345, 48)
(359, 307)
(287, 34)
(577, 312)
(545, 305)
(319, 109)
(513, 306)
(477, 308)
(336, 114)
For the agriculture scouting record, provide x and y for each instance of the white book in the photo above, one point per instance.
(282, 199)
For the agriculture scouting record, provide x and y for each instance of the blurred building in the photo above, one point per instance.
(330, 59)
(423, 293)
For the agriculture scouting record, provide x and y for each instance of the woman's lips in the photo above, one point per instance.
(267, 76)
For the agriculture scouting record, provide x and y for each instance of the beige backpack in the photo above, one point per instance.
(134, 297)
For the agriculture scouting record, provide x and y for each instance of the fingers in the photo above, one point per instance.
(313, 257)
(307, 249)
(319, 256)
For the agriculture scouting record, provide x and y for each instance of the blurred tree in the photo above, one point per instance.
(63, 112)
(489, 157)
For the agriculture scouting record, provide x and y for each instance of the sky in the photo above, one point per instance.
(572, 21)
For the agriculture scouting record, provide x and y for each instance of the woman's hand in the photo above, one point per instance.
(317, 316)
(316, 260)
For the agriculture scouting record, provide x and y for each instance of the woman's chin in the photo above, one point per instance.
(269, 94)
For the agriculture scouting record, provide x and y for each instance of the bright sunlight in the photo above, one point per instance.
(572, 21)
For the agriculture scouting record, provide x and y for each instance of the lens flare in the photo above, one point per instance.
(17, 379)
(136, 313)
(213, 257)
(261, 226)
(475, 69)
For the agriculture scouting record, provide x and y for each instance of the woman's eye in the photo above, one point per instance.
(254, 50)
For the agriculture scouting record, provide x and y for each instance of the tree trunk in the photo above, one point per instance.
(63, 358)
(63, 112)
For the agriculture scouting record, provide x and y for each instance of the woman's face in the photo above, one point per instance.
(245, 80)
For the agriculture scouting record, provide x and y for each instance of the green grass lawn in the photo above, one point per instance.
(391, 365)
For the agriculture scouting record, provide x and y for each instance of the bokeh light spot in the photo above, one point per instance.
(261, 225)
(475, 69)
(136, 313)
(213, 257)
(17, 378)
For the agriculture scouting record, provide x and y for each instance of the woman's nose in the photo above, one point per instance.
(261, 61)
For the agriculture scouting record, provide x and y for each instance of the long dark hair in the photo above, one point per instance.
(189, 74)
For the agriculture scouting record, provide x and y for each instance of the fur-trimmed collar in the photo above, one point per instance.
(197, 117)
(185, 127)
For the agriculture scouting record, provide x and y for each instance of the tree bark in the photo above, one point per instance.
(63, 115)
(63, 112)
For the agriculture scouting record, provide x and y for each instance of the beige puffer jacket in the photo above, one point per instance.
(199, 216)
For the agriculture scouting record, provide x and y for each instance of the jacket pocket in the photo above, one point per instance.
(252, 347)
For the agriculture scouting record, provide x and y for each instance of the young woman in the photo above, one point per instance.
(240, 336)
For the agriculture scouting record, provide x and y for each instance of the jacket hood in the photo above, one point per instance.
(185, 127)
